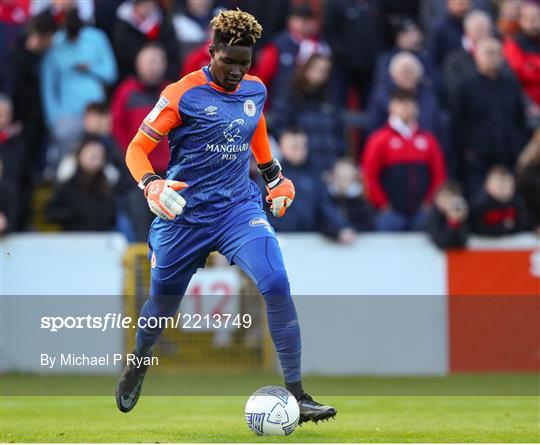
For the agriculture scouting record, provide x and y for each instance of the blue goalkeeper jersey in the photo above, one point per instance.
(209, 132)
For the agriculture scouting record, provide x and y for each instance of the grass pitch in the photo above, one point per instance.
(372, 418)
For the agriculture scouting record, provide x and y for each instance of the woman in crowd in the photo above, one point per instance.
(85, 201)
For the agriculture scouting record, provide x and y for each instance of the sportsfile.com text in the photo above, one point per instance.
(118, 321)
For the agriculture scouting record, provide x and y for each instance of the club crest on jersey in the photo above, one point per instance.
(161, 104)
(232, 132)
(211, 110)
(153, 262)
(249, 108)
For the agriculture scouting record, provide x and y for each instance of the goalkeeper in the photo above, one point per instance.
(213, 120)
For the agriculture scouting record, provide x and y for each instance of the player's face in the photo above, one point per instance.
(229, 65)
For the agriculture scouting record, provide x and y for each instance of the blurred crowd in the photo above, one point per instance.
(388, 115)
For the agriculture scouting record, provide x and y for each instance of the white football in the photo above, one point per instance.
(272, 411)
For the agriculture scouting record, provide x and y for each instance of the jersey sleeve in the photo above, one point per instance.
(165, 115)
(260, 145)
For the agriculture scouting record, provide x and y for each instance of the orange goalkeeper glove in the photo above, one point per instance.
(163, 197)
(280, 189)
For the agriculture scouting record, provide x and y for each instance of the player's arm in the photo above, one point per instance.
(163, 199)
(280, 189)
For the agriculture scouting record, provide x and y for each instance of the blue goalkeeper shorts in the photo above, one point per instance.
(245, 238)
(177, 251)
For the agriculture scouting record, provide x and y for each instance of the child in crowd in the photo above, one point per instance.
(447, 220)
(497, 210)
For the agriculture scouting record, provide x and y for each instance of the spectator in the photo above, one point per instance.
(98, 124)
(508, 20)
(447, 220)
(314, 211)
(191, 24)
(528, 179)
(276, 62)
(25, 88)
(408, 37)
(523, 52)
(308, 106)
(403, 166)
(432, 13)
(134, 99)
(58, 9)
(459, 64)
(75, 72)
(447, 34)
(488, 118)
(105, 14)
(8, 203)
(347, 191)
(12, 156)
(85, 202)
(496, 210)
(13, 15)
(140, 22)
(391, 12)
(131, 212)
(406, 73)
(352, 30)
(97, 119)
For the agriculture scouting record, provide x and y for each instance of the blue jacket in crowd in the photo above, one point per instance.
(321, 120)
(67, 89)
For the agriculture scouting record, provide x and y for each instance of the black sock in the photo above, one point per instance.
(295, 389)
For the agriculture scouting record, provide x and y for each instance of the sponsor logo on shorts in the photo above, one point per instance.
(261, 222)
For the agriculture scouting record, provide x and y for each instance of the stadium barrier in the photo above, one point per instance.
(198, 346)
(388, 304)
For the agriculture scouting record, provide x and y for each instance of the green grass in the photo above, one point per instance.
(215, 383)
(374, 418)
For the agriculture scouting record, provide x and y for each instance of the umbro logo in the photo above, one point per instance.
(211, 110)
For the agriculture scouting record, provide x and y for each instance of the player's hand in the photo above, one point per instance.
(163, 198)
(280, 197)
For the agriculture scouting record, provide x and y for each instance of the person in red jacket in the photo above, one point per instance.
(523, 51)
(403, 166)
(136, 96)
